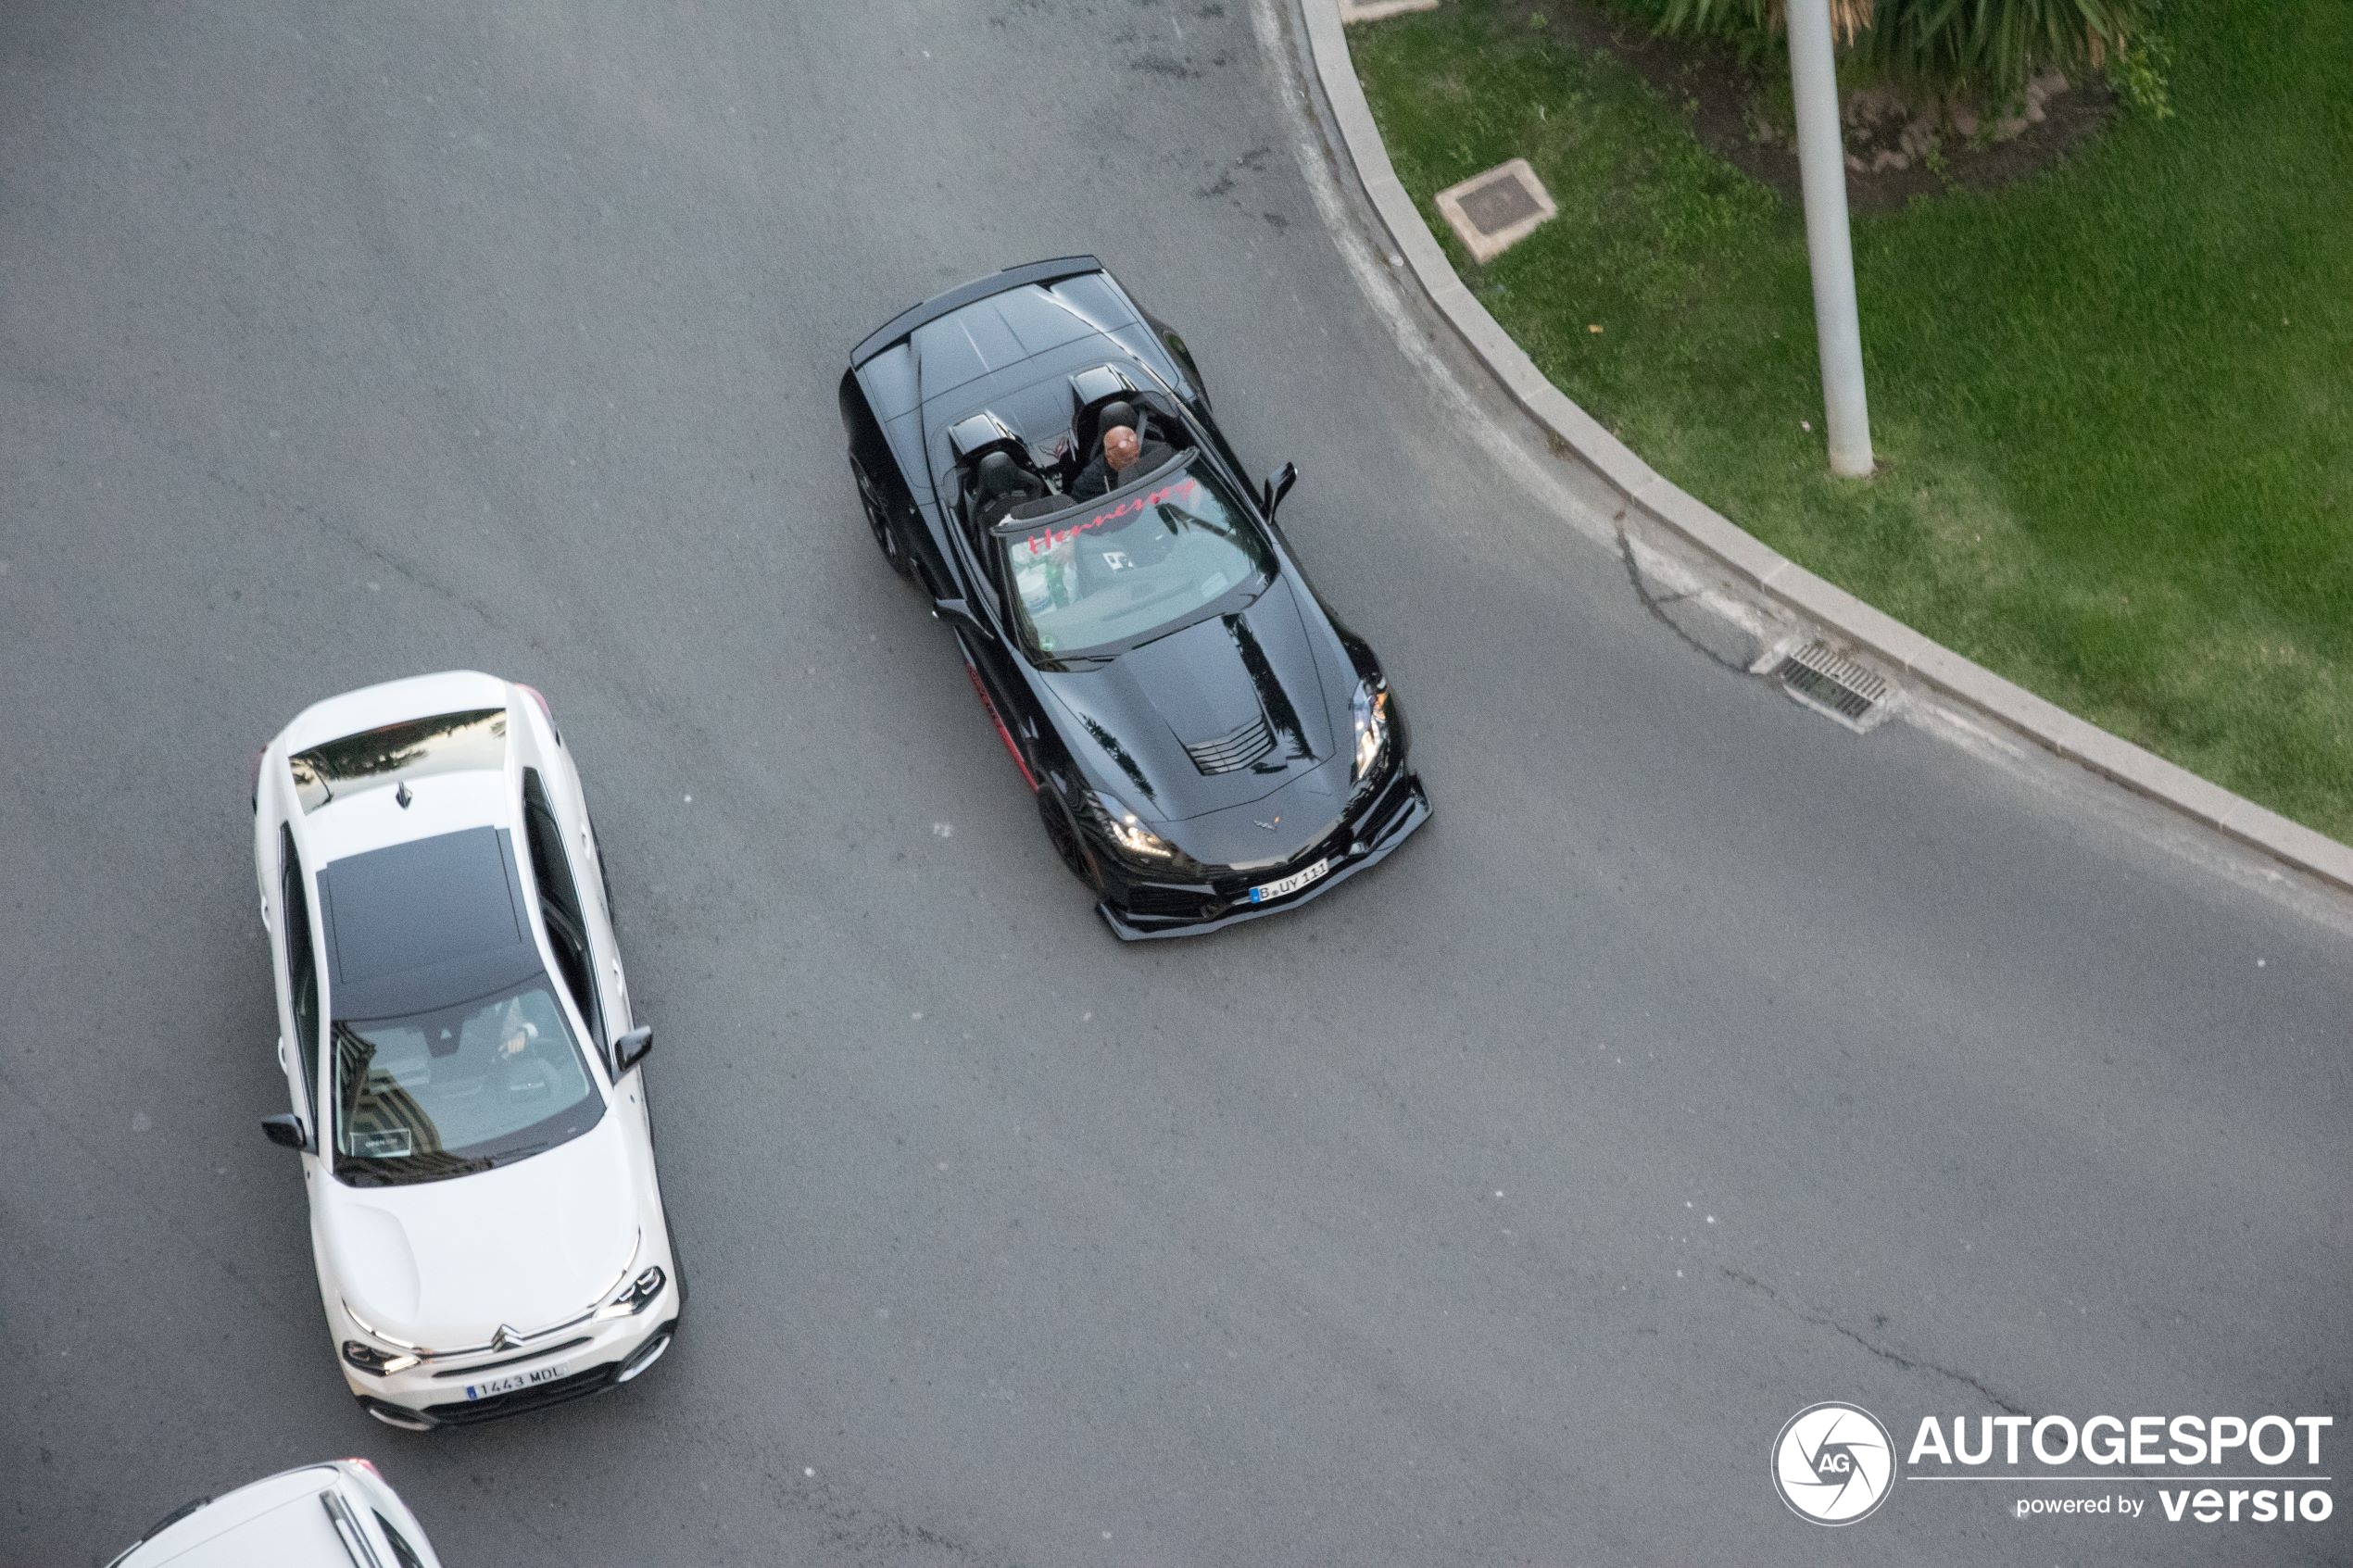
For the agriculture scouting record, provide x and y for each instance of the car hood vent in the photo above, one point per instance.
(1231, 753)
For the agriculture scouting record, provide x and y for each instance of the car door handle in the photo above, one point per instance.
(282, 1053)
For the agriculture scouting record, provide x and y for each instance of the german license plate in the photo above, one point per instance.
(1291, 883)
(488, 1387)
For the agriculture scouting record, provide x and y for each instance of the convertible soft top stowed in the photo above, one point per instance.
(899, 326)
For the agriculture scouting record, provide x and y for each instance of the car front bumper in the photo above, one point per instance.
(576, 1361)
(1139, 910)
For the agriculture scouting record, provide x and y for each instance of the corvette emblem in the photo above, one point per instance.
(505, 1339)
(1270, 827)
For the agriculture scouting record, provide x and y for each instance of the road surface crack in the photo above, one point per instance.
(1823, 1320)
(1656, 604)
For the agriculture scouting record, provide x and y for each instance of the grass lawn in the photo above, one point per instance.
(2112, 403)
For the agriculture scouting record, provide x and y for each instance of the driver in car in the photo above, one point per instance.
(515, 1032)
(1123, 449)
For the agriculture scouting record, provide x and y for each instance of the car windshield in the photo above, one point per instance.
(457, 1090)
(1143, 560)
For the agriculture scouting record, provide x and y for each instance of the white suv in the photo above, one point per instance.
(455, 1035)
(335, 1515)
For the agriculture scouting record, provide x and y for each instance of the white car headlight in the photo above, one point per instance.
(1369, 708)
(641, 1293)
(376, 1363)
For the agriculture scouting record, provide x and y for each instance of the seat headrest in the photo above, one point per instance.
(1117, 414)
(998, 475)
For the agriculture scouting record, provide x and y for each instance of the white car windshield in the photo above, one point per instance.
(461, 1089)
(1144, 559)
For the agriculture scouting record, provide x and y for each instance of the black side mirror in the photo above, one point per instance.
(1278, 485)
(286, 1131)
(630, 1049)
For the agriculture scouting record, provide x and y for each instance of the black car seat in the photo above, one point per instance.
(999, 485)
(1093, 421)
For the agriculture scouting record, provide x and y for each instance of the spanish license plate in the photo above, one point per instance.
(488, 1387)
(1291, 883)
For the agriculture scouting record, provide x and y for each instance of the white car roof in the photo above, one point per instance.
(444, 802)
(459, 834)
(375, 820)
(418, 696)
(279, 1521)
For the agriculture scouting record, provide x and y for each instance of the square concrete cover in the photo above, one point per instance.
(1373, 10)
(1492, 212)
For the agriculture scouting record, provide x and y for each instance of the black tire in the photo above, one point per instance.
(877, 506)
(1062, 833)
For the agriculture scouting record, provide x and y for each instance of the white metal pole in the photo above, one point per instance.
(1821, 167)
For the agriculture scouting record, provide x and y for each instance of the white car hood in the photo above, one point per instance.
(443, 1264)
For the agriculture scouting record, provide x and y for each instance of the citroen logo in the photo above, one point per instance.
(1270, 827)
(506, 1339)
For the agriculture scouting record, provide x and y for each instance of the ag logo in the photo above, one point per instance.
(1833, 1463)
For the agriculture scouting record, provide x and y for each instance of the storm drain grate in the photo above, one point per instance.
(1829, 680)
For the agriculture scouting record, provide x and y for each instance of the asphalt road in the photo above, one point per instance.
(1701, 1061)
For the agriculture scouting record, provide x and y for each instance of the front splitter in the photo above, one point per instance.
(1128, 928)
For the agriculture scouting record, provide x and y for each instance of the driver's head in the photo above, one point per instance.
(1121, 447)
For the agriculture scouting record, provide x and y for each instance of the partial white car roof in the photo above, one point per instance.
(281, 1522)
(370, 708)
(450, 789)
(387, 961)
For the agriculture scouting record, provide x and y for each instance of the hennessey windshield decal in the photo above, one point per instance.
(1041, 542)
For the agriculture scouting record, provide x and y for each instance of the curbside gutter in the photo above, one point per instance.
(1747, 558)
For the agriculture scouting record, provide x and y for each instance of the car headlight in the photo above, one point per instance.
(641, 1292)
(1370, 709)
(1125, 830)
(376, 1363)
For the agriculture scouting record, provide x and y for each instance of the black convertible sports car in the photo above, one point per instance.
(1205, 740)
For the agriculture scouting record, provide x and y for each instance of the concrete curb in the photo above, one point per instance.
(1750, 560)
